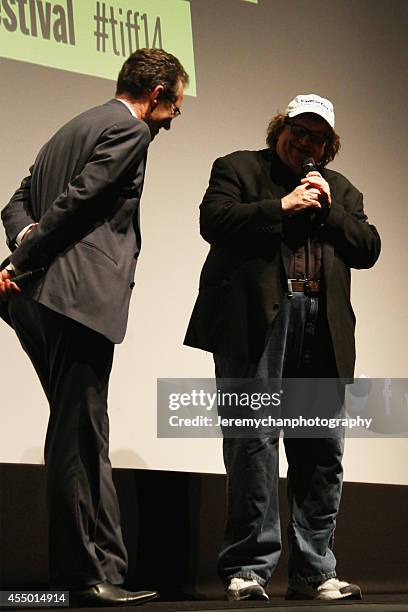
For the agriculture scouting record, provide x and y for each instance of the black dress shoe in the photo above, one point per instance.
(107, 594)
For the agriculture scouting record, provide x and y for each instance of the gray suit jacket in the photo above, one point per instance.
(84, 190)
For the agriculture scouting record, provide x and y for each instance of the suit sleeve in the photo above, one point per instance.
(16, 215)
(87, 197)
(225, 216)
(347, 228)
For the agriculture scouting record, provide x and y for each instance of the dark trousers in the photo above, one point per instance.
(298, 346)
(74, 365)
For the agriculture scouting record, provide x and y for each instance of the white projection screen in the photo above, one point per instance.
(247, 59)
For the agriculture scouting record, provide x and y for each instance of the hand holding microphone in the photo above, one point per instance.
(313, 178)
(304, 196)
(8, 289)
(312, 193)
(11, 281)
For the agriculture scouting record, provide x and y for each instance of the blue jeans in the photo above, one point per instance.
(298, 345)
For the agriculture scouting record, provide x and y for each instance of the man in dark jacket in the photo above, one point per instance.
(274, 303)
(74, 226)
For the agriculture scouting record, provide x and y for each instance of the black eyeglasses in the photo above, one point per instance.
(300, 132)
(176, 110)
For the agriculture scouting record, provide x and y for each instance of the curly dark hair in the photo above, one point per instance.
(276, 126)
(147, 68)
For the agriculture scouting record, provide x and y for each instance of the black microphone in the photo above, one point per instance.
(308, 165)
(318, 216)
(27, 277)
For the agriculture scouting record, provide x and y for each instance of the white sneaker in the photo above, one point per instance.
(327, 590)
(244, 588)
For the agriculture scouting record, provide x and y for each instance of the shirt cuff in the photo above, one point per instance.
(20, 235)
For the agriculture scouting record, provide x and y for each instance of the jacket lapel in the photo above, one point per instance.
(277, 191)
(264, 158)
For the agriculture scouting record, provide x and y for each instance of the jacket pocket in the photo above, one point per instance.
(99, 250)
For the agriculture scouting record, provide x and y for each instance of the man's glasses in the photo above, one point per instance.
(300, 132)
(175, 109)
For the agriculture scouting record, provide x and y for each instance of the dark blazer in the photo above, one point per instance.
(244, 277)
(84, 190)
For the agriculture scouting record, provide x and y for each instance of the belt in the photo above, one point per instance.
(304, 286)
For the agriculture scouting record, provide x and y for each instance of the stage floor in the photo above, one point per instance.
(370, 603)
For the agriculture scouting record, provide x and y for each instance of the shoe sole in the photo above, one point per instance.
(77, 603)
(254, 595)
(332, 597)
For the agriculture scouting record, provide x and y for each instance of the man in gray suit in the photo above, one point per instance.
(74, 224)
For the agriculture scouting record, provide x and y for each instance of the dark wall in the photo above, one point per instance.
(173, 523)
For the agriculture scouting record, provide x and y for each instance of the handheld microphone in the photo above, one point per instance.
(319, 216)
(27, 277)
(308, 165)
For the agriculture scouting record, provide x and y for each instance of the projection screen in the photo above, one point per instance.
(246, 60)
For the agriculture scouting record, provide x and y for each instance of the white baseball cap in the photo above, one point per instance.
(311, 103)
